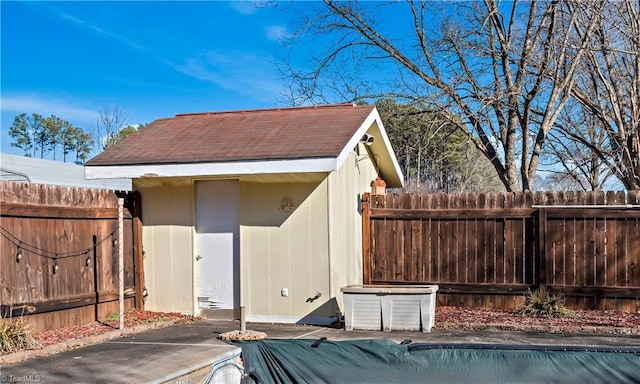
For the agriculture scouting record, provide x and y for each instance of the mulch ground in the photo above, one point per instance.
(446, 318)
(465, 318)
(131, 318)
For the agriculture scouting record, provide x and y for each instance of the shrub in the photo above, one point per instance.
(15, 335)
(542, 303)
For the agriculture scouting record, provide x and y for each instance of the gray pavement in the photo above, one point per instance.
(151, 357)
(181, 354)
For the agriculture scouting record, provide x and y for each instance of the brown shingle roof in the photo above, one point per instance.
(266, 134)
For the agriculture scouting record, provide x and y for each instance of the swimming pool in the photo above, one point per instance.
(384, 361)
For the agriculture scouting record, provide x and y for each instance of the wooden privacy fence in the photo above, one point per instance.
(489, 250)
(59, 260)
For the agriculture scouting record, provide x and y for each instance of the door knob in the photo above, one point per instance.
(198, 257)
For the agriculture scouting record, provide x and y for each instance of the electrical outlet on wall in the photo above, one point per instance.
(284, 292)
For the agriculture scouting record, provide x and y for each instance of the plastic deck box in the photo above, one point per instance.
(390, 307)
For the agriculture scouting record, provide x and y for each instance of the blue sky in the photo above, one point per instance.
(151, 59)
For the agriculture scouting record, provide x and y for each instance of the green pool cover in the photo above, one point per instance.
(383, 361)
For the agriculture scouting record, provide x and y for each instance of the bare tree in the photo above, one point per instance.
(488, 67)
(559, 181)
(110, 121)
(608, 90)
(567, 156)
(475, 173)
(434, 155)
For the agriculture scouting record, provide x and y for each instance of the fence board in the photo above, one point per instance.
(508, 271)
(434, 251)
(471, 241)
(523, 240)
(599, 275)
(519, 241)
(416, 241)
(405, 253)
(633, 257)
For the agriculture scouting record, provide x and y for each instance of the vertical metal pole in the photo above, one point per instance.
(121, 260)
(243, 319)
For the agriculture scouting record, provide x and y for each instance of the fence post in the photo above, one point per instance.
(121, 260)
(366, 240)
(541, 249)
(96, 276)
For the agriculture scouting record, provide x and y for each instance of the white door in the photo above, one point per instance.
(217, 244)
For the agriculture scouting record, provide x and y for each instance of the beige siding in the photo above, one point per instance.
(346, 187)
(284, 250)
(308, 250)
(167, 213)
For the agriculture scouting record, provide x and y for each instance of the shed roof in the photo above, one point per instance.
(267, 134)
(309, 135)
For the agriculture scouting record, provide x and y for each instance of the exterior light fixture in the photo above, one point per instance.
(367, 139)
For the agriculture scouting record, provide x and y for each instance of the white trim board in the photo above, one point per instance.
(205, 169)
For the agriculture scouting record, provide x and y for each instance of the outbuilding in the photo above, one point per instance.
(257, 208)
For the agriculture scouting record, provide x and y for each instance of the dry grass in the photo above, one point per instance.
(542, 303)
(15, 335)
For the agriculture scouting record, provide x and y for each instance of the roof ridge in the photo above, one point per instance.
(321, 106)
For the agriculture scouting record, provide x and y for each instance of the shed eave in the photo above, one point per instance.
(211, 169)
(382, 151)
